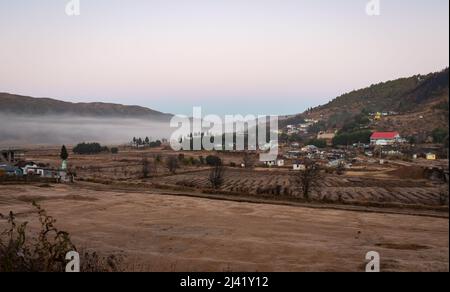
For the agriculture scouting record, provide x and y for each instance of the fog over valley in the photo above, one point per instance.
(50, 130)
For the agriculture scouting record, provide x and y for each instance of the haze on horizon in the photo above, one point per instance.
(228, 56)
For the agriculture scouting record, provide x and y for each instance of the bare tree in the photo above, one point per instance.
(443, 195)
(145, 167)
(172, 164)
(248, 160)
(308, 178)
(216, 175)
(341, 168)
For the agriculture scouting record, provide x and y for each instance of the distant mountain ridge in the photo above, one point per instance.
(31, 106)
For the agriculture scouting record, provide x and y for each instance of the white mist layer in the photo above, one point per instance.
(51, 130)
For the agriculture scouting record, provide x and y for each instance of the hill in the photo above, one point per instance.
(413, 105)
(29, 106)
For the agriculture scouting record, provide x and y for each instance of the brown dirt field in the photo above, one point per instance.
(158, 232)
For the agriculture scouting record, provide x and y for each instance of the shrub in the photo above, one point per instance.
(47, 251)
(89, 148)
(213, 160)
(309, 178)
(216, 175)
(172, 164)
(114, 150)
(349, 138)
(439, 135)
(319, 143)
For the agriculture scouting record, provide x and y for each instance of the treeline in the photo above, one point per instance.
(352, 137)
(93, 148)
(145, 142)
(319, 143)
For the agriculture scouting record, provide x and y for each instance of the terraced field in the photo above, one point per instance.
(330, 188)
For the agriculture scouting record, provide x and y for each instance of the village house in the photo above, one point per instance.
(385, 138)
(310, 149)
(29, 168)
(273, 162)
(298, 167)
(293, 154)
(431, 156)
(9, 170)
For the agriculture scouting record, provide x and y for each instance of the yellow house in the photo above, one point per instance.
(431, 156)
(378, 116)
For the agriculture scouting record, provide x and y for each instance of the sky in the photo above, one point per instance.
(228, 56)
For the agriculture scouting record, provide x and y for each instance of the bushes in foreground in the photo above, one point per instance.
(20, 251)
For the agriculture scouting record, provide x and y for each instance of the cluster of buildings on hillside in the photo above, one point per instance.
(13, 164)
(378, 116)
(385, 142)
(301, 128)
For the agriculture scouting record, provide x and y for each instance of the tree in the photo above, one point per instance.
(89, 148)
(212, 160)
(64, 154)
(248, 161)
(439, 135)
(319, 143)
(216, 175)
(349, 138)
(341, 167)
(145, 167)
(172, 164)
(114, 150)
(308, 178)
(317, 127)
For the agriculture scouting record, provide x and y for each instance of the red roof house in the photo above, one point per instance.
(385, 138)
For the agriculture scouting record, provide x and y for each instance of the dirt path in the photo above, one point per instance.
(174, 233)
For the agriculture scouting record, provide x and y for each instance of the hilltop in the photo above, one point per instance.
(19, 105)
(413, 105)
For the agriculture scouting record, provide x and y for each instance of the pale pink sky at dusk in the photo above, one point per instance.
(229, 56)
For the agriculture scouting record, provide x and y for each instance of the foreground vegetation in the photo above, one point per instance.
(23, 251)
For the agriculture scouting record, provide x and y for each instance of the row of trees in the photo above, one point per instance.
(352, 137)
(90, 148)
(173, 163)
(319, 143)
(145, 142)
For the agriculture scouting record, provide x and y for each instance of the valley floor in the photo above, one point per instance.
(156, 232)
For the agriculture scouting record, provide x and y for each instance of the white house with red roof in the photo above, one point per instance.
(385, 138)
